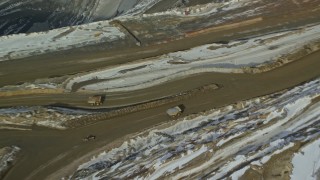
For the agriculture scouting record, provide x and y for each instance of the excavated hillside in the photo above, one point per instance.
(18, 16)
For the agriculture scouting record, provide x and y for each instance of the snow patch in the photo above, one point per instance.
(306, 163)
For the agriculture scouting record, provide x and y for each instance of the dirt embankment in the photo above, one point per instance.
(279, 167)
(139, 107)
(285, 59)
(30, 91)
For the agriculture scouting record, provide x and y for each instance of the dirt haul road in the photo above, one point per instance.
(245, 84)
(62, 147)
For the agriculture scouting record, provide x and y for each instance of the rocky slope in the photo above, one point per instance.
(18, 16)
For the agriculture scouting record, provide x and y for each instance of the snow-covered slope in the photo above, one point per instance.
(17, 16)
(60, 37)
(21, 16)
(24, 45)
(7, 158)
(306, 163)
(219, 143)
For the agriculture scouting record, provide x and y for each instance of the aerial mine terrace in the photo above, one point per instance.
(160, 89)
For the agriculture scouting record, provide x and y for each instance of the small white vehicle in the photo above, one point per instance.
(175, 111)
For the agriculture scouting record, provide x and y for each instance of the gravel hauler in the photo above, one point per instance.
(95, 100)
